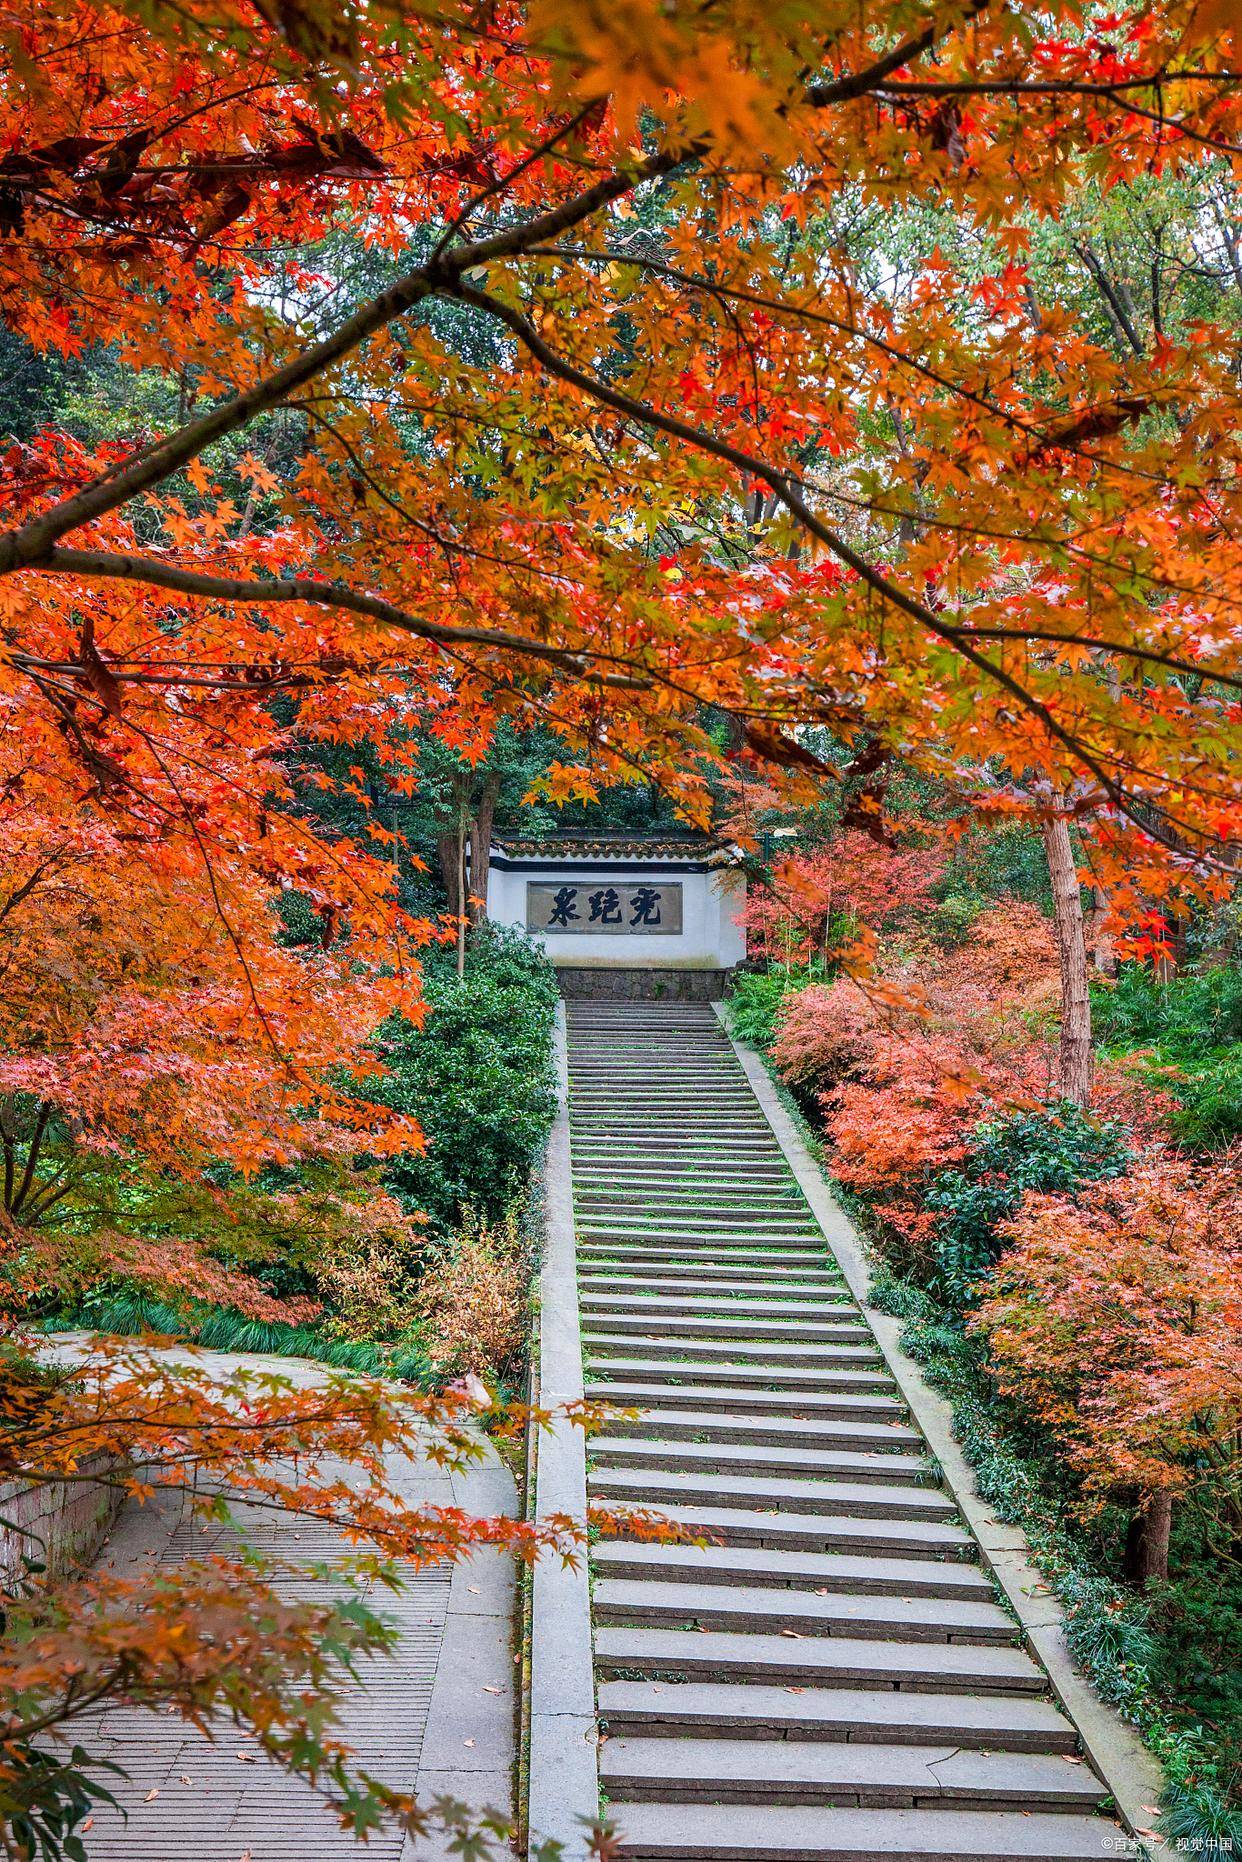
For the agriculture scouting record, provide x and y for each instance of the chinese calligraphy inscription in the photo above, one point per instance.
(604, 906)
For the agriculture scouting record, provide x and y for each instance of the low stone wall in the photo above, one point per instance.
(639, 985)
(60, 1526)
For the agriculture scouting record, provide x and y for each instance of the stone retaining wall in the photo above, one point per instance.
(59, 1526)
(577, 985)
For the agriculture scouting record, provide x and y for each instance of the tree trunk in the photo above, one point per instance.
(1147, 1542)
(481, 847)
(450, 872)
(463, 906)
(1075, 1059)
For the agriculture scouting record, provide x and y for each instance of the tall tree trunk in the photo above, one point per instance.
(450, 871)
(1075, 1058)
(461, 893)
(481, 846)
(1147, 1542)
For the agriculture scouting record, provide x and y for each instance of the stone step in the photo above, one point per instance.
(758, 1493)
(752, 1285)
(787, 1383)
(677, 1178)
(691, 1303)
(686, 1324)
(700, 1425)
(676, 1185)
(818, 1661)
(989, 1722)
(688, 1091)
(757, 1610)
(693, 1257)
(699, 1144)
(729, 1149)
(673, 1458)
(662, 1152)
(695, 1204)
(740, 1771)
(707, 1231)
(683, 1163)
(764, 1405)
(676, 1832)
(819, 1572)
(762, 1161)
(677, 1241)
(731, 1349)
(678, 1118)
(638, 1075)
(820, 1532)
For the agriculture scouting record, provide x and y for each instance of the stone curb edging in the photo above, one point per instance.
(564, 1753)
(1127, 1769)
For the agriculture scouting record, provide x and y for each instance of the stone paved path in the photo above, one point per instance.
(833, 1677)
(437, 1715)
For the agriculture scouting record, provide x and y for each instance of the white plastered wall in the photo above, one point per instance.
(711, 938)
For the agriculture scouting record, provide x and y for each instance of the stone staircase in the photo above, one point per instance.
(832, 1676)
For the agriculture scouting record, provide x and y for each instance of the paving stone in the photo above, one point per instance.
(815, 1571)
(819, 1772)
(818, 1532)
(766, 1284)
(678, 1457)
(732, 1306)
(832, 1373)
(746, 1832)
(862, 1499)
(688, 1325)
(769, 1405)
(678, 1343)
(828, 1661)
(986, 1722)
(772, 1612)
(721, 1427)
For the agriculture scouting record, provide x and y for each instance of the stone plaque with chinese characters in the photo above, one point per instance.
(628, 907)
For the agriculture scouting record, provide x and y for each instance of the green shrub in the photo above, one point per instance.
(1050, 1151)
(1167, 1661)
(1184, 1016)
(987, 866)
(133, 1311)
(1210, 1099)
(478, 1076)
(758, 997)
(1190, 1031)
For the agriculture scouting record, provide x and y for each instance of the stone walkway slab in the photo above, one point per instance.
(436, 1716)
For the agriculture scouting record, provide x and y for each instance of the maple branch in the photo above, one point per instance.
(1057, 87)
(802, 313)
(784, 490)
(150, 570)
(1149, 655)
(859, 83)
(29, 545)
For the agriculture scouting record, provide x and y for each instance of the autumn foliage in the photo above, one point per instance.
(906, 1061)
(1115, 1317)
(810, 904)
(518, 364)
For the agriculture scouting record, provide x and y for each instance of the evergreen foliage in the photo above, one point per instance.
(477, 1076)
(1053, 1149)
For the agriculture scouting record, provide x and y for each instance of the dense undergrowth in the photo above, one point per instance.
(416, 1266)
(1069, 1278)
